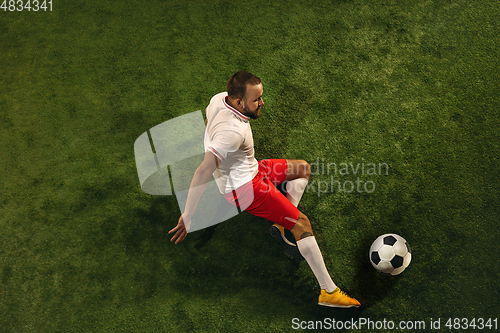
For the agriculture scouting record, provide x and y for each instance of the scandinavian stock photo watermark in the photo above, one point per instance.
(345, 177)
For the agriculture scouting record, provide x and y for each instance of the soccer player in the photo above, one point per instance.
(251, 184)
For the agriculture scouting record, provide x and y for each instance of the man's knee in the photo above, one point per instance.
(298, 169)
(305, 169)
(302, 228)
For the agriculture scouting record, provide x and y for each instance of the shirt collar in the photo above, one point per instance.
(234, 111)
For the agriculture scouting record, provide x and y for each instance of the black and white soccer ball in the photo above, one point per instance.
(390, 254)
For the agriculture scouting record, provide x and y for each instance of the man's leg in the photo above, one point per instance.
(273, 206)
(297, 169)
(330, 295)
(297, 177)
(276, 208)
(309, 249)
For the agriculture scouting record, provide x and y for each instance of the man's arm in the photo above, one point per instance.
(200, 181)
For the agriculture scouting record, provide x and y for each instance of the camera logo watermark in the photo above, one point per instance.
(166, 158)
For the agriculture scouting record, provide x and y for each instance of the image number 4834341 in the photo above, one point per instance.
(26, 6)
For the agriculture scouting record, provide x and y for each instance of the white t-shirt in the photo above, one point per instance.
(229, 137)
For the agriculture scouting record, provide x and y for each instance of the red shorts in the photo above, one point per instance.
(260, 197)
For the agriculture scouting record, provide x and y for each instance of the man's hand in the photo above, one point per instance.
(198, 184)
(180, 231)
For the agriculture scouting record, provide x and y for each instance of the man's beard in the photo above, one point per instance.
(252, 115)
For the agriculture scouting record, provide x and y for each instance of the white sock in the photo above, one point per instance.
(294, 190)
(309, 249)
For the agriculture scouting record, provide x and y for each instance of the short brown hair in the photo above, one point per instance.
(237, 84)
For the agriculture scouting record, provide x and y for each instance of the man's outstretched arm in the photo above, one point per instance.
(200, 181)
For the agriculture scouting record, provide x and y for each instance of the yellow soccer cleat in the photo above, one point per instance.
(337, 299)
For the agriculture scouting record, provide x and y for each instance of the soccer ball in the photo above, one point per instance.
(390, 254)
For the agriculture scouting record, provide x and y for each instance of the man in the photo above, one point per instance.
(250, 184)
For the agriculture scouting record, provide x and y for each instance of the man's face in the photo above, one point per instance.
(252, 102)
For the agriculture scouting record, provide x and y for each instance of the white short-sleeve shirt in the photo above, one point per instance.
(229, 137)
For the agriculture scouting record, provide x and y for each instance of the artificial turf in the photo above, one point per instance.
(412, 85)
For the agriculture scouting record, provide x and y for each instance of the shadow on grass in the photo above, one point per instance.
(236, 258)
(371, 286)
(205, 237)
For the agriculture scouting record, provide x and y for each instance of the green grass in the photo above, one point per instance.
(413, 84)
